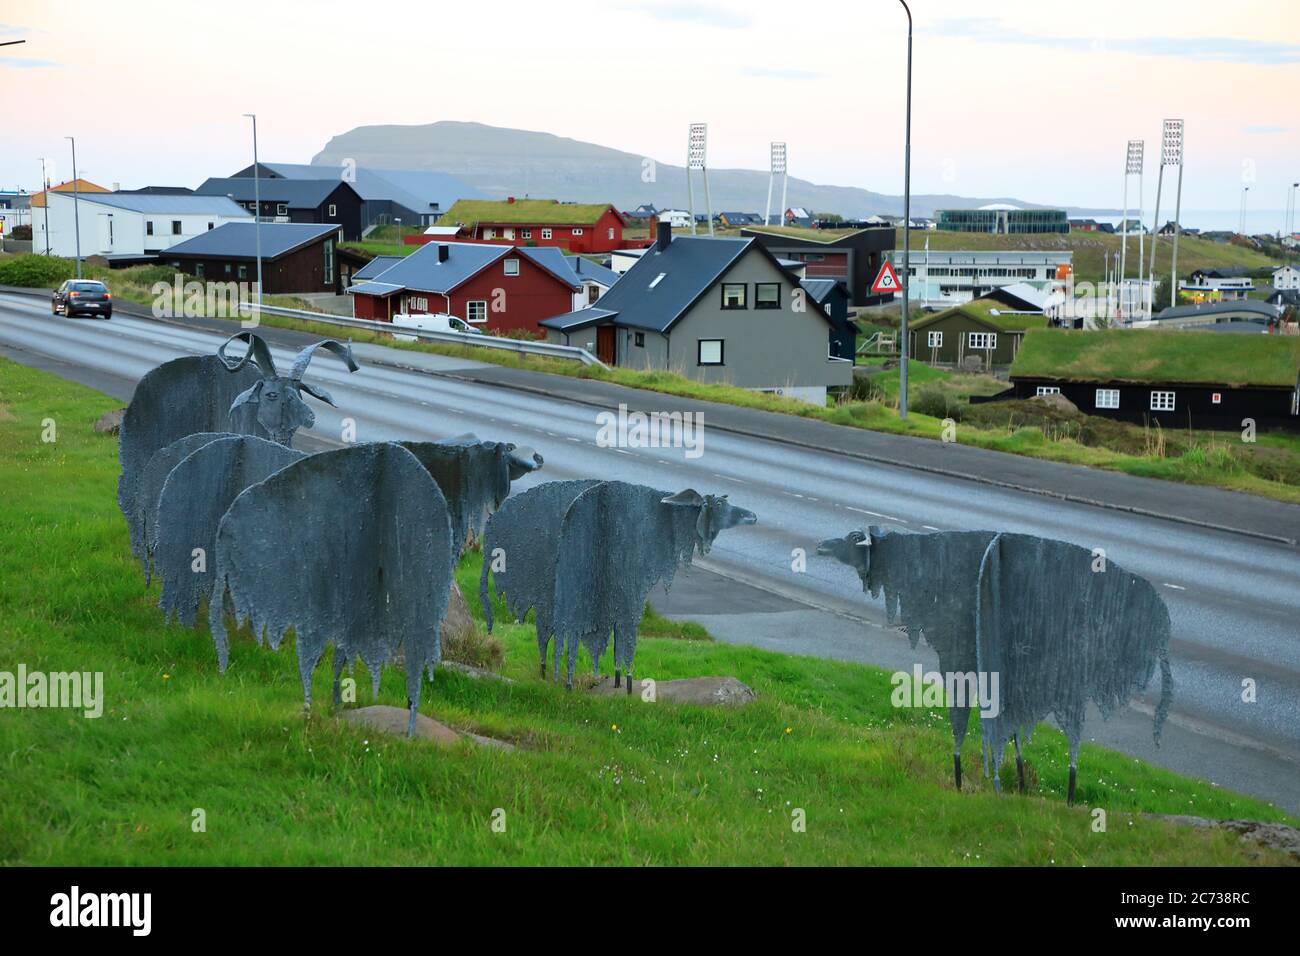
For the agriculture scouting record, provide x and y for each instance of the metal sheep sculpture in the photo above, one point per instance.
(362, 537)
(151, 484)
(983, 601)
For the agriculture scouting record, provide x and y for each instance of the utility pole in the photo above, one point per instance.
(45, 186)
(257, 221)
(1241, 218)
(76, 209)
(907, 222)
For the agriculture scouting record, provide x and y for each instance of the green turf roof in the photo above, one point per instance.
(981, 312)
(1153, 355)
(524, 212)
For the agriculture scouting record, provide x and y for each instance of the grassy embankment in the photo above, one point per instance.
(594, 779)
(1270, 467)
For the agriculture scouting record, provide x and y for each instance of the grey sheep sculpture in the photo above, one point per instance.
(365, 535)
(1057, 631)
(150, 487)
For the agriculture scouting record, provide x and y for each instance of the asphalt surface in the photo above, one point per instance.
(1232, 596)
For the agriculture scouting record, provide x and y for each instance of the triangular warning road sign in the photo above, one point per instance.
(887, 281)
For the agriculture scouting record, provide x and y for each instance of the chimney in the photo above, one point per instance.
(664, 235)
(443, 251)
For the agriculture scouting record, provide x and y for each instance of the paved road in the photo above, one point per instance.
(1233, 599)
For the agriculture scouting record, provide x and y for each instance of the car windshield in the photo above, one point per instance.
(88, 287)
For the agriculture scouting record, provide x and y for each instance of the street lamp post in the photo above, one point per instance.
(1241, 221)
(45, 186)
(1290, 222)
(257, 220)
(76, 210)
(907, 224)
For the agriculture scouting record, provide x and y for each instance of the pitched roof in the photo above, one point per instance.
(296, 193)
(1262, 309)
(83, 186)
(416, 189)
(994, 322)
(593, 271)
(1144, 356)
(376, 266)
(166, 204)
(422, 271)
(238, 240)
(663, 285)
(1024, 295)
(820, 289)
(526, 212)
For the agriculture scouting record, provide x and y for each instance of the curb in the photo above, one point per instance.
(140, 312)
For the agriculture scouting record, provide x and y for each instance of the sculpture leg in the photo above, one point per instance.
(571, 663)
(1069, 794)
(629, 680)
(1020, 762)
(617, 675)
(339, 662)
(541, 668)
(956, 767)
(410, 726)
(555, 663)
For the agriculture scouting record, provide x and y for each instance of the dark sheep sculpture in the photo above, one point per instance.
(985, 604)
(363, 538)
(617, 542)
(150, 487)
(197, 493)
(519, 550)
(277, 399)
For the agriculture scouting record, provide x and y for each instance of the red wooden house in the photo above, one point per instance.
(578, 227)
(498, 288)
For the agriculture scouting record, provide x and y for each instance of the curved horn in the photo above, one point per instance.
(258, 351)
(303, 358)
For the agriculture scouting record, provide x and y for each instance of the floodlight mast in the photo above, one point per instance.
(778, 168)
(1132, 167)
(1177, 143)
(696, 146)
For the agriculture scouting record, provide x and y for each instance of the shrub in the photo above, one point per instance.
(933, 399)
(35, 272)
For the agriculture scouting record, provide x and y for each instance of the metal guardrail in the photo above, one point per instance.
(482, 340)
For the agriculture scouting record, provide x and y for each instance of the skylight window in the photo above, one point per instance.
(657, 279)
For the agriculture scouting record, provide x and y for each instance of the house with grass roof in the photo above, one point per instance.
(578, 227)
(1178, 379)
(978, 335)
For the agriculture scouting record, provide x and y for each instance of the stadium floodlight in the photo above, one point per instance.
(778, 158)
(1171, 143)
(1136, 149)
(695, 159)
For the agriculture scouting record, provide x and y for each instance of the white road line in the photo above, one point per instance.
(929, 527)
(875, 514)
(621, 451)
(1176, 587)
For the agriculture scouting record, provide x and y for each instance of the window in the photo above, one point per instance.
(546, 233)
(243, 272)
(767, 295)
(226, 268)
(611, 232)
(577, 231)
(982, 340)
(512, 267)
(334, 209)
(1048, 390)
(282, 209)
(329, 262)
(526, 233)
(418, 303)
(507, 233)
(476, 311)
(709, 351)
(640, 340)
(733, 295)
(1107, 398)
(198, 269)
(1162, 401)
(176, 227)
(210, 225)
(934, 340)
(489, 233)
(657, 279)
(1216, 398)
(148, 227)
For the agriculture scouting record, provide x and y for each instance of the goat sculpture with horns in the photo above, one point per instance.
(278, 399)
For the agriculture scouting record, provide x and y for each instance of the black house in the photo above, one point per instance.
(852, 258)
(834, 299)
(294, 200)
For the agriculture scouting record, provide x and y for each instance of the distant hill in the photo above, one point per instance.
(514, 162)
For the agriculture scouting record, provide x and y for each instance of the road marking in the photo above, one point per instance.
(729, 478)
(662, 461)
(578, 440)
(1176, 587)
(621, 451)
(875, 514)
(929, 527)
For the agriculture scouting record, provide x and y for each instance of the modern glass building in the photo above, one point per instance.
(1003, 220)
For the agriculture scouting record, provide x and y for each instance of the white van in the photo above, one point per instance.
(432, 322)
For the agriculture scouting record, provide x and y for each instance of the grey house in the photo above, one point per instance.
(714, 310)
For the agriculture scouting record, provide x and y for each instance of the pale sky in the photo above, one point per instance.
(1028, 98)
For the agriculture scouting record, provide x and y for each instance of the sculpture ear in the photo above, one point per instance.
(317, 392)
(247, 395)
(688, 498)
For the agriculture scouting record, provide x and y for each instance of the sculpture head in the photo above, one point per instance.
(522, 460)
(278, 398)
(716, 514)
(854, 549)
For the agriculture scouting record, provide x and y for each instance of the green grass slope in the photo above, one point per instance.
(595, 780)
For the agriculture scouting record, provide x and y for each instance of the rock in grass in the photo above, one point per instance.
(393, 721)
(702, 691)
(110, 422)
(1274, 836)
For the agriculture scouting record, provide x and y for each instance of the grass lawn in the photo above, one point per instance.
(595, 780)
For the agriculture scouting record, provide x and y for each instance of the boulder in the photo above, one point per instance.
(1057, 400)
(702, 691)
(474, 673)
(393, 721)
(1275, 836)
(110, 422)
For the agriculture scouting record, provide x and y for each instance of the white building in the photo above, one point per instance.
(1217, 285)
(677, 218)
(945, 279)
(130, 224)
(1286, 278)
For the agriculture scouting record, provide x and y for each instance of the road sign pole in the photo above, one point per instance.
(907, 222)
